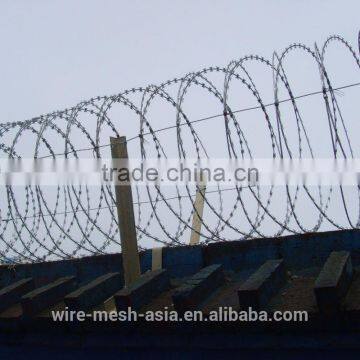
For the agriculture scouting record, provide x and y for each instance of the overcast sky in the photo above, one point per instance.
(57, 53)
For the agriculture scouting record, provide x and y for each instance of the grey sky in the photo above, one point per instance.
(56, 53)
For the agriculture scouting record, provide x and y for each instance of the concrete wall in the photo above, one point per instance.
(298, 251)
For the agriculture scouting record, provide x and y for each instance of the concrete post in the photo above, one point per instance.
(124, 202)
(156, 260)
(199, 206)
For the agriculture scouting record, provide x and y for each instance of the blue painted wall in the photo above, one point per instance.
(298, 251)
